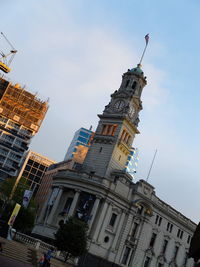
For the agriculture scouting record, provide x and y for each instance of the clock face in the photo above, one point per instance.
(119, 105)
(131, 111)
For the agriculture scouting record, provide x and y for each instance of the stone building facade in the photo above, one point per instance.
(128, 224)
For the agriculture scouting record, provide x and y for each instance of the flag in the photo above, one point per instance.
(27, 197)
(14, 214)
(147, 38)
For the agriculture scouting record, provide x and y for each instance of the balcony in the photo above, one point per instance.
(100, 138)
(124, 146)
(81, 176)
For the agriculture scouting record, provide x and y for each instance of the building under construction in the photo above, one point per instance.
(21, 115)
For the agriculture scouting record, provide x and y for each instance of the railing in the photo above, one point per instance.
(29, 240)
(40, 245)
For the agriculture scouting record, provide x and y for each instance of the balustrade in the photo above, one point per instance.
(39, 245)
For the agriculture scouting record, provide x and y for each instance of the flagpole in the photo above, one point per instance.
(151, 165)
(143, 54)
(147, 40)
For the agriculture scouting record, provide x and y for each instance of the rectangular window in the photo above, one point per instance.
(4, 151)
(176, 251)
(42, 167)
(164, 246)
(126, 255)
(82, 140)
(147, 262)
(27, 168)
(134, 231)
(169, 227)
(104, 129)
(33, 171)
(158, 220)
(113, 219)
(68, 204)
(188, 239)
(140, 210)
(186, 258)
(84, 134)
(9, 162)
(152, 241)
(180, 233)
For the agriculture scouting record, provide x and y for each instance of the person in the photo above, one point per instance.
(41, 260)
(46, 261)
(1, 247)
(47, 258)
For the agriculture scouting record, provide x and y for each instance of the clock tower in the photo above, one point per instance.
(117, 126)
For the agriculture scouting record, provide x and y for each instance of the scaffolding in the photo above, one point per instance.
(21, 106)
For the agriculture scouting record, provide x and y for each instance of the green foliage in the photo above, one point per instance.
(6, 187)
(25, 219)
(71, 238)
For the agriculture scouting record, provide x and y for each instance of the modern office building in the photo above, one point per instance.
(21, 115)
(33, 170)
(81, 142)
(129, 225)
(132, 162)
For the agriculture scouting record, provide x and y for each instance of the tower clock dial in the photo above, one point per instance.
(119, 105)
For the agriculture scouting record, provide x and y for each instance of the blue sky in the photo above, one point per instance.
(74, 52)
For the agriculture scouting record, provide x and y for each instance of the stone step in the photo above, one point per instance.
(16, 251)
(17, 258)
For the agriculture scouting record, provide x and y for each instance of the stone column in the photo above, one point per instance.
(43, 211)
(55, 206)
(119, 228)
(104, 222)
(100, 220)
(94, 210)
(74, 203)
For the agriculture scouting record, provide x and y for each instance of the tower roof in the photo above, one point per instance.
(137, 70)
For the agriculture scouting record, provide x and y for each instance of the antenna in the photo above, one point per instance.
(151, 165)
(147, 41)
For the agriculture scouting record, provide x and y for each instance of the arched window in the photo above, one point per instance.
(134, 85)
(127, 83)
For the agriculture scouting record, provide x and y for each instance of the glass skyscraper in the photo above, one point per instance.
(82, 137)
(132, 162)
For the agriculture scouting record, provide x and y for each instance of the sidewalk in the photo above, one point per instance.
(7, 262)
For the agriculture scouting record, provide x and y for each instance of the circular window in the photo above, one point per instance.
(106, 239)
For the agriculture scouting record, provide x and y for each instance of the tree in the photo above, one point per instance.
(25, 219)
(71, 238)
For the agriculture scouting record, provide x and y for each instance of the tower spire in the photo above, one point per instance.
(146, 43)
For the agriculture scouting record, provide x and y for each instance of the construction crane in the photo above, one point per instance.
(6, 59)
